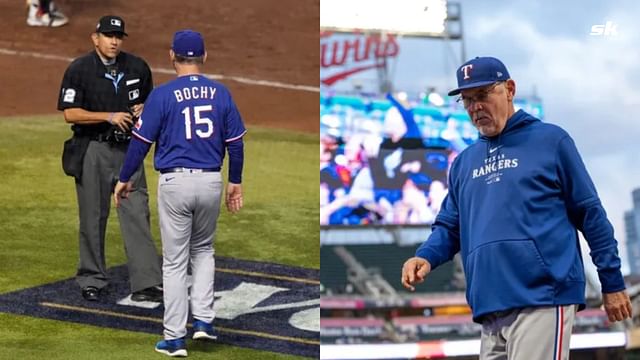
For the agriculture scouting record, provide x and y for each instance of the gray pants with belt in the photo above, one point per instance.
(100, 171)
(535, 333)
(188, 209)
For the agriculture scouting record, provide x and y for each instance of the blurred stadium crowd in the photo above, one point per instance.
(384, 159)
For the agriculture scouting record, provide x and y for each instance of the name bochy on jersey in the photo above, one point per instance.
(195, 113)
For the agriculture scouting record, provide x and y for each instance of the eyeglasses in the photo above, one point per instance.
(481, 96)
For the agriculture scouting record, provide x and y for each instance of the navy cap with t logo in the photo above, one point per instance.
(478, 72)
(110, 24)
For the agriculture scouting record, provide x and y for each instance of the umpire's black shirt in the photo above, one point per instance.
(93, 86)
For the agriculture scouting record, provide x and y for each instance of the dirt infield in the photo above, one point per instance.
(262, 40)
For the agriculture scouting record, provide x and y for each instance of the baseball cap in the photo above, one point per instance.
(478, 72)
(110, 24)
(188, 43)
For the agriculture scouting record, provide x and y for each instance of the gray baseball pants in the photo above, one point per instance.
(528, 334)
(188, 209)
(100, 171)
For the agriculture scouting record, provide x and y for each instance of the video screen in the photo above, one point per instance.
(384, 160)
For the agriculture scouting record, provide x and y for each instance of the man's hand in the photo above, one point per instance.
(414, 271)
(122, 190)
(137, 110)
(617, 305)
(123, 120)
(233, 198)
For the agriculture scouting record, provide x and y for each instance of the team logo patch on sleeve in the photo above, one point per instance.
(69, 95)
(258, 305)
(138, 124)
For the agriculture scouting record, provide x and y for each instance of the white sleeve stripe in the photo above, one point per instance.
(237, 137)
(141, 137)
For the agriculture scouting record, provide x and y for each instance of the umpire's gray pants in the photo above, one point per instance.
(100, 171)
(188, 209)
(528, 334)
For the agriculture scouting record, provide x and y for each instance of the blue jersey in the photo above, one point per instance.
(191, 118)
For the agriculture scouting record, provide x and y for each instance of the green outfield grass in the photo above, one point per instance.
(38, 232)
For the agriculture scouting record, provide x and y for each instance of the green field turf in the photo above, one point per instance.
(38, 232)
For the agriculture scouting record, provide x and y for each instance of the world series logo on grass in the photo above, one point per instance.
(258, 305)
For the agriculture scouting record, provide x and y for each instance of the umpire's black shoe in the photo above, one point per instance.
(153, 294)
(91, 293)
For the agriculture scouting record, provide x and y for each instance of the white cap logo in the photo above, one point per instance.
(116, 22)
(466, 69)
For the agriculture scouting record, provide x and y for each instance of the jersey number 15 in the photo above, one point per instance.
(199, 120)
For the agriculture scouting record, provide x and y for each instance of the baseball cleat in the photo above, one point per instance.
(173, 348)
(153, 294)
(46, 20)
(54, 18)
(203, 331)
(91, 293)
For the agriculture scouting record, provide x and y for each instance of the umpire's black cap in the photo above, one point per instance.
(111, 24)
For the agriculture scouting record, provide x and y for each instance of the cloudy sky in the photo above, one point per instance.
(589, 85)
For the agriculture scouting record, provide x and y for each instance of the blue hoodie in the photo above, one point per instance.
(514, 206)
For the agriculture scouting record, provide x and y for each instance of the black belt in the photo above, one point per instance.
(112, 138)
(187, 170)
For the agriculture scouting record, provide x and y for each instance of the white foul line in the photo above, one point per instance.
(239, 79)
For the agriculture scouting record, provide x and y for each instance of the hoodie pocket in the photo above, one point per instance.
(507, 274)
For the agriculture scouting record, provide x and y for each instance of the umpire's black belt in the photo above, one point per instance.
(111, 137)
(187, 170)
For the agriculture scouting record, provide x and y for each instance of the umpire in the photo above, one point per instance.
(102, 93)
